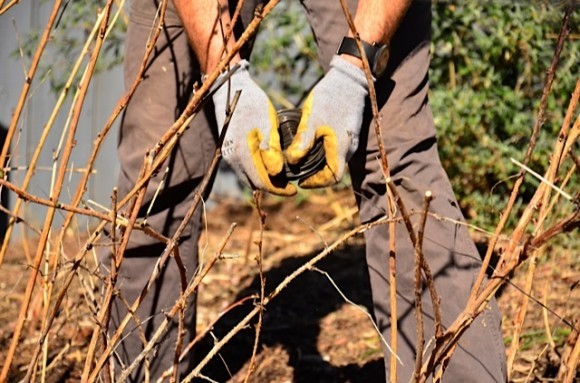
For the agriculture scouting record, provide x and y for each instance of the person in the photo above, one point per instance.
(336, 111)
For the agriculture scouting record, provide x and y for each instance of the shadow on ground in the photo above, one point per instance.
(293, 321)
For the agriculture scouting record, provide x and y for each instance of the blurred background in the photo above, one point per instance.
(489, 61)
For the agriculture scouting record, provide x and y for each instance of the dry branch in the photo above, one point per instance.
(277, 290)
(24, 95)
(521, 247)
(259, 260)
(389, 201)
(54, 195)
(121, 105)
(31, 168)
(535, 133)
(419, 261)
(182, 301)
(570, 356)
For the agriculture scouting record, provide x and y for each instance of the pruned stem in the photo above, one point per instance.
(260, 305)
(419, 261)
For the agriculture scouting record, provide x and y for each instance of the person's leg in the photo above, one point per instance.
(409, 139)
(157, 102)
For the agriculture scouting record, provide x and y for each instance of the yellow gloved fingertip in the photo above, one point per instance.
(273, 160)
(288, 191)
(270, 161)
(294, 153)
(323, 178)
(284, 188)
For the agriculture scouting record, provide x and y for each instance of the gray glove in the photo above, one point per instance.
(333, 112)
(252, 143)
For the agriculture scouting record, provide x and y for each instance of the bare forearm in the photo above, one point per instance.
(376, 21)
(201, 20)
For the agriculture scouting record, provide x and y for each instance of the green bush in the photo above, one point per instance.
(73, 26)
(488, 68)
(284, 58)
(489, 63)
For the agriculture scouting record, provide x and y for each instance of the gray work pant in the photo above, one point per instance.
(409, 138)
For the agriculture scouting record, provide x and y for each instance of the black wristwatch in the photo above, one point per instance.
(377, 55)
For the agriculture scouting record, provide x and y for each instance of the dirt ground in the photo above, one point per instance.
(310, 333)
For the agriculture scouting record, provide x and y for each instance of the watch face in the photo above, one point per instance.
(381, 61)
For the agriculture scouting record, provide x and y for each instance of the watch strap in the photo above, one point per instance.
(349, 46)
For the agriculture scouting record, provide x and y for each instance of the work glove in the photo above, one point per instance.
(251, 144)
(333, 112)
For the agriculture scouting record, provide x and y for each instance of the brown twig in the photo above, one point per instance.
(389, 200)
(234, 19)
(114, 199)
(182, 301)
(181, 315)
(424, 265)
(206, 331)
(121, 105)
(517, 252)
(535, 133)
(567, 224)
(262, 219)
(168, 250)
(107, 301)
(549, 180)
(569, 365)
(31, 168)
(147, 171)
(80, 211)
(420, 344)
(8, 6)
(572, 364)
(82, 184)
(285, 283)
(513, 256)
(24, 94)
(393, 298)
(54, 195)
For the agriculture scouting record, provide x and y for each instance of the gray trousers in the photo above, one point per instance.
(410, 141)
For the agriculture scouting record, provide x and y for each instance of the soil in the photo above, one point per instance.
(310, 333)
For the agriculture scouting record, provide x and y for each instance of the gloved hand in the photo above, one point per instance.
(252, 143)
(333, 112)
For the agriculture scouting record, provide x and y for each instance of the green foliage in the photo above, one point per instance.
(489, 63)
(535, 338)
(284, 58)
(75, 22)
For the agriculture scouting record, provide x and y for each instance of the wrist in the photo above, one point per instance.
(212, 65)
(228, 83)
(353, 60)
(377, 55)
(350, 74)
